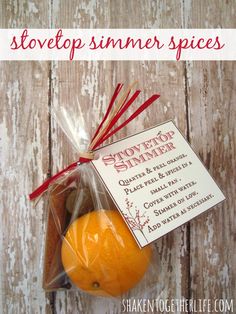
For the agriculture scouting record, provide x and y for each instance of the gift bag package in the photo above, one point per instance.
(88, 244)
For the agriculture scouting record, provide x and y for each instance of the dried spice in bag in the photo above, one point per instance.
(88, 244)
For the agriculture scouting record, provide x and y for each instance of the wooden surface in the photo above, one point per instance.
(198, 259)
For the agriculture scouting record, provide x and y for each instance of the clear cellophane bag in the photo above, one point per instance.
(88, 244)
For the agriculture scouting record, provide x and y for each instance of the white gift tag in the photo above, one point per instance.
(156, 181)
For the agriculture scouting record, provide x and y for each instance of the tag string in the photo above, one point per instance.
(107, 128)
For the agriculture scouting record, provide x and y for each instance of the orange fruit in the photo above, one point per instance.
(100, 255)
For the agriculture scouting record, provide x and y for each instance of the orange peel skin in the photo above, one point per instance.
(100, 255)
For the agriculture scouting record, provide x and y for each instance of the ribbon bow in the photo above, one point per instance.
(106, 129)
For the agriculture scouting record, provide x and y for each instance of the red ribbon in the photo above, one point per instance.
(108, 133)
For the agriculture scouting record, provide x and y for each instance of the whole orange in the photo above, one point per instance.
(100, 255)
